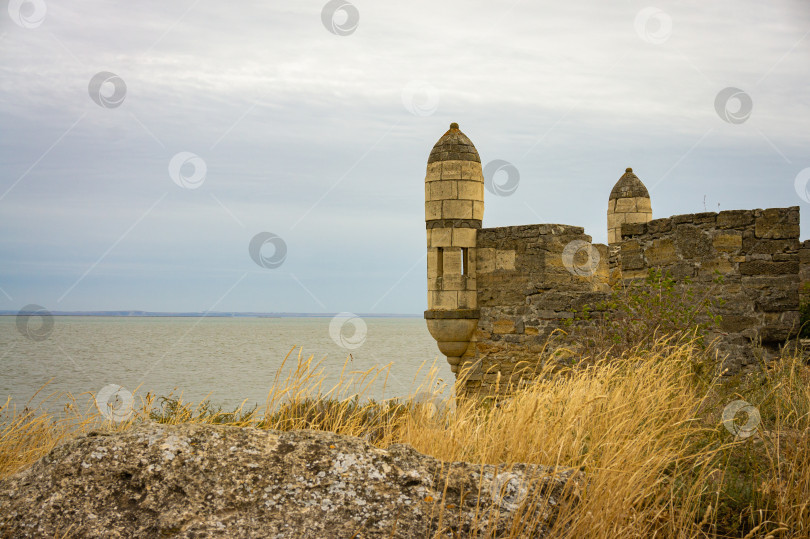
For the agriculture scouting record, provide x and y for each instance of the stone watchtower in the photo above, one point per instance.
(629, 202)
(501, 300)
(454, 208)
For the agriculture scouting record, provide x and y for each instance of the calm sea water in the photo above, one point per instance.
(226, 360)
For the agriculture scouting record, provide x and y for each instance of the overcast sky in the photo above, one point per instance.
(313, 122)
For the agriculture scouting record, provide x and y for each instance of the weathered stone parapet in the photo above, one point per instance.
(756, 252)
(527, 294)
(528, 287)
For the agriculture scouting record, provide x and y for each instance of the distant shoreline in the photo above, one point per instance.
(149, 314)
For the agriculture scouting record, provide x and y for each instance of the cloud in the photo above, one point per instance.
(304, 134)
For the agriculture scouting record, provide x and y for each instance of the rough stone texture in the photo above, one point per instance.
(194, 480)
(628, 186)
(454, 145)
(526, 291)
(757, 253)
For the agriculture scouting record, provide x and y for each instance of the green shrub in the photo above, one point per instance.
(641, 313)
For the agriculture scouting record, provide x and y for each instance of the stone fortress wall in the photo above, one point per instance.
(496, 296)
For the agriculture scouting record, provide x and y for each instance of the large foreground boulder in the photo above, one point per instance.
(195, 480)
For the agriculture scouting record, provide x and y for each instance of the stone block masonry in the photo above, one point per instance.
(498, 298)
(629, 202)
(757, 254)
(454, 207)
(525, 294)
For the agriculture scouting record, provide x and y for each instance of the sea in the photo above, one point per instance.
(227, 361)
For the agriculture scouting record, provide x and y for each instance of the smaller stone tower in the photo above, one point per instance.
(454, 208)
(629, 202)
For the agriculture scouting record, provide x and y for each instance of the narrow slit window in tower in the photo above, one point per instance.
(439, 261)
(464, 261)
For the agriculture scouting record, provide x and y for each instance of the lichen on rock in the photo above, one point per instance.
(197, 480)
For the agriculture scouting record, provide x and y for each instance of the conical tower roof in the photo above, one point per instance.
(454, 146)
(628, 186)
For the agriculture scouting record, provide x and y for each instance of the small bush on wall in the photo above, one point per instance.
(640, 314)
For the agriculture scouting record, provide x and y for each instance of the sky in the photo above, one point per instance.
(270, 156)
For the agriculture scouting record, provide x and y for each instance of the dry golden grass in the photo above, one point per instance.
(646, 433)
(28, 434)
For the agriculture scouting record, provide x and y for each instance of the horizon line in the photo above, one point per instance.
(199, 314)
